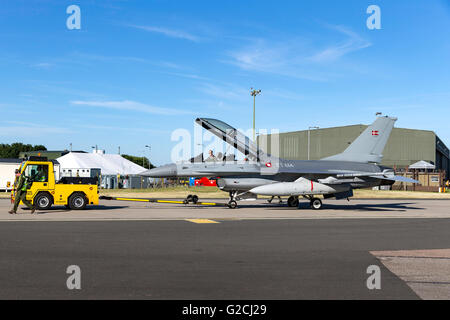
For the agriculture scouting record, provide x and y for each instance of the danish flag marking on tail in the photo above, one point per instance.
(374, 132)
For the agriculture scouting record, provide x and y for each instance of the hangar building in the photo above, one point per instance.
(404, 147)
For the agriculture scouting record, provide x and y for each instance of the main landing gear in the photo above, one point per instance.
(232, 204)
(292, 201)
(314, 203)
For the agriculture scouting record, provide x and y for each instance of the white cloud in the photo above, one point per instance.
(295, 57)
(225, 92)
(114, 59)
(26, 129)
(353, 43)
(260, 56)
(286, 59)
(43, 65)
(187, 75)
(130, 105)
(168, 32)
(127, 129)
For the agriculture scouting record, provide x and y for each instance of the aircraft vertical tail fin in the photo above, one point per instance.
(369, 146)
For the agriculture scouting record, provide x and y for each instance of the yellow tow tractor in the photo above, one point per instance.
(47, 190)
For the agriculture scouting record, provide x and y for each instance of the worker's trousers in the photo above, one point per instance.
(21, 196)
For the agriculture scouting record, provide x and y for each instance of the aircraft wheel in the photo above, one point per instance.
(292, 201)
(232, 204)
(316, 204)
(194, 199)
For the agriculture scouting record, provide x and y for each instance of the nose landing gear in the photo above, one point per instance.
(232, 204)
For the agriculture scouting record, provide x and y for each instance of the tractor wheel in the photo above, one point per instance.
(77, 201)
(43, 201)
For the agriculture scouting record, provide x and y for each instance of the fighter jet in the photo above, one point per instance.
(265, 174)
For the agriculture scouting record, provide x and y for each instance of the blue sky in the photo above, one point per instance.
(137, 70)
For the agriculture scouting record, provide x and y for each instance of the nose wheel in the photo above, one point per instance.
(232, 204)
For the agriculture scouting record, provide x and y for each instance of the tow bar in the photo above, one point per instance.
(189, 199)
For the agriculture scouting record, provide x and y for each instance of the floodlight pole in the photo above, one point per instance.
(254, 93)
(149, 150)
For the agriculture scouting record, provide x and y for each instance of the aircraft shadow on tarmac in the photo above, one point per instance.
(398, 206)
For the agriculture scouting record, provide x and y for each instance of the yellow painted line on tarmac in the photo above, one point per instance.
(202, 221)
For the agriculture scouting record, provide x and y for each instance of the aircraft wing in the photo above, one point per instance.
(339, 178)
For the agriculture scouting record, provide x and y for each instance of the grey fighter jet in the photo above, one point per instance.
(266, 174)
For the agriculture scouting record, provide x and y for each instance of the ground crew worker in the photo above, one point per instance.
(23, 184)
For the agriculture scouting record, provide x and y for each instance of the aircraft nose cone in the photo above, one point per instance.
(166, 171)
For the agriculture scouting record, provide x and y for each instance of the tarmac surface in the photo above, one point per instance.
(129, 250)
(260, 209)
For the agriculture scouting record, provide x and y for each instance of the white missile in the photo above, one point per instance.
(301, 186)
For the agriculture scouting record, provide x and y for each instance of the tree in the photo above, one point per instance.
(142, 161)
(13, 150)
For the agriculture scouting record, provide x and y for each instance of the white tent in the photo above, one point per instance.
(422, 165)
(110, 164)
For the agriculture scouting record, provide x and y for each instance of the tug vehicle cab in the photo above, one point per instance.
(47, 189)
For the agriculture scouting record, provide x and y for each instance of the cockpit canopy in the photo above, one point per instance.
(232, 136)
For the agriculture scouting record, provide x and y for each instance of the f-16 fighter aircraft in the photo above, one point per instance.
(266, 174)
